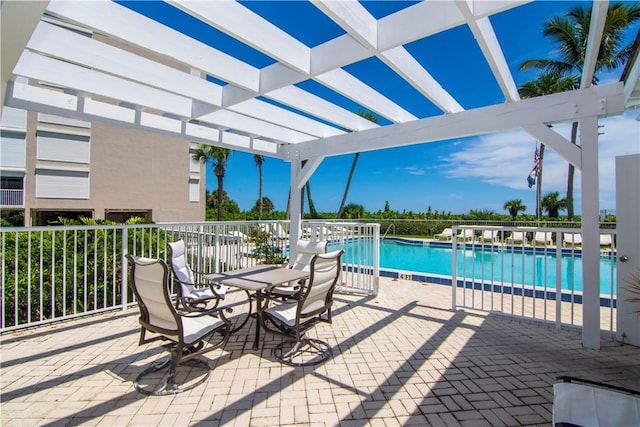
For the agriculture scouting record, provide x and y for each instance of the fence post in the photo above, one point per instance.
(454, 270)
(125, 268)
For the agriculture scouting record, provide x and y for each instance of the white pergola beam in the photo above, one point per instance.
(72, 47)
(38, 67)
(227, 119)
(565, 148)
(567, 106)
(18, 19)
(354, 89)
(312, 104)
(135, 29)
(270, 113)
(599, 11)
(353, 18)
(241, 23)
(486, 38)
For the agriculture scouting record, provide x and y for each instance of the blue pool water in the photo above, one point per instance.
(529, 268)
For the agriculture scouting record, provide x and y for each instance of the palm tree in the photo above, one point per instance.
(354, 211)
(372, 118)
(219, 156)
(514, 206)
(545, 84)
(552, 203)
(570, 31)
(259, 160)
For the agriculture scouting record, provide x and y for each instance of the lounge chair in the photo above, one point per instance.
(543, 237)
(188, 334)
(572, 239)
(447, 234)
(518, 237)
(292, 319)
(489, 236)
(606, 240)
(467, 234)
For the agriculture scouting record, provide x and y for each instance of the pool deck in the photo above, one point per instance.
(400, 358)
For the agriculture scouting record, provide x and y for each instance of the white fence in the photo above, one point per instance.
(534, 273)
(55, 273)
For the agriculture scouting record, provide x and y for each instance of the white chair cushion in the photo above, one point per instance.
(205, 293)
(285, 312)
(593, 406)
(195, 327)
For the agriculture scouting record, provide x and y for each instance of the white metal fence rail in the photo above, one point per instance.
(533, 273)
(55, 273)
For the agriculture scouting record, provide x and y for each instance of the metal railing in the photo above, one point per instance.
(11, 197)
(529, 272)
(61, 272)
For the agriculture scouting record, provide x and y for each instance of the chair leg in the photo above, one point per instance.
(306, 352)
(167, 385)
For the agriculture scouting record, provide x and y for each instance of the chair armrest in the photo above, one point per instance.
(568, 379)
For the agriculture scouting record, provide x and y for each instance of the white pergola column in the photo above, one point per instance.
(590, 234)
(299, 177)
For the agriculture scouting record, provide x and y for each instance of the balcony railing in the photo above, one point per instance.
(11, 197)
(55, 273)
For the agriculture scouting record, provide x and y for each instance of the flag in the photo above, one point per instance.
(531, 179)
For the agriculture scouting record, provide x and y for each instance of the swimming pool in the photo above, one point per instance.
(491, 263)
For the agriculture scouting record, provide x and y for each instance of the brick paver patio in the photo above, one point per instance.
(400, 358)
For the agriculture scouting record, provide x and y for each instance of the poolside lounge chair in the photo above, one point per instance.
(193, 294)
(580, 402)
(572, 239)
(606, 240)
(518, 237)
(467, 234)
(447, 234)
(489, 236)
(543, 237)
(292, 319)
(188, 334)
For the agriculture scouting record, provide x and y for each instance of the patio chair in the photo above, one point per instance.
(581, 402)
(543, 237)
(572, 239)
(188, 334)
(447, 234)
(294, 318)
(305, 252)
(193, 294)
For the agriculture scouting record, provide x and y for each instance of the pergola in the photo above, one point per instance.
(101, 61)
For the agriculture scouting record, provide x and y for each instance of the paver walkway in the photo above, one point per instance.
(401, 358)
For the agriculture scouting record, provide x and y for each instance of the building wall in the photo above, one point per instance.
(128, 170)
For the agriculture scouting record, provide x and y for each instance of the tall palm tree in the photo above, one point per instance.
(546, 83)
(553, 204)
(259, 160)
(514, 206)
(570, 31)
(372, 118)
(220, 157)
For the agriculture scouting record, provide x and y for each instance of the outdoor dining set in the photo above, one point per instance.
(207, 308)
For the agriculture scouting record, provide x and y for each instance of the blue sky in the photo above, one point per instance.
(472, 173)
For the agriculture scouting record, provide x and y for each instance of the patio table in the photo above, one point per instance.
(257, 279)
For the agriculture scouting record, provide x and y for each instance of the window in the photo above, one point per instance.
(62, 184)
(43, 217)
(194, 190)
(121, 215)
(60, 147)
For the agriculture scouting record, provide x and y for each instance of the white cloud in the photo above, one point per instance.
(506, 159)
